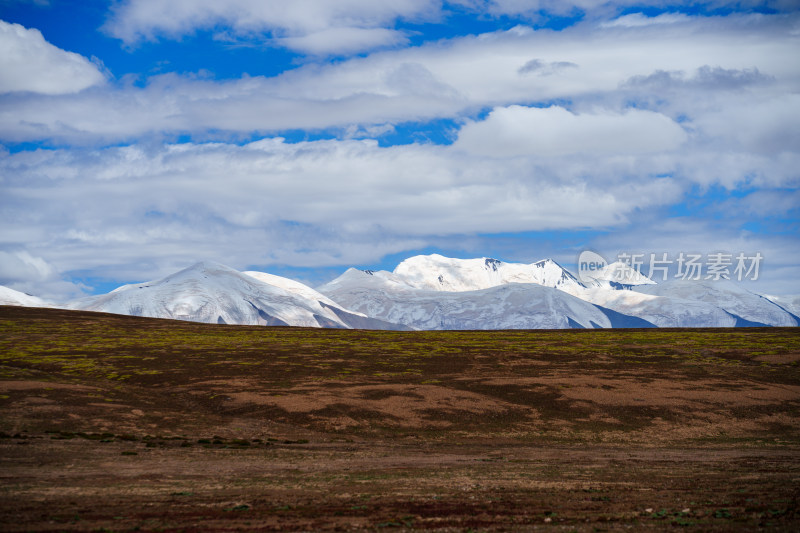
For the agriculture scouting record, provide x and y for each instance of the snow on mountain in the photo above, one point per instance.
(747, 308)
(290, 285)
(211, 292)
(627, 297)
(351, 318)
(11, 297)
(550, 274)
(436, 292)
(661, 311)
(387, 296)
(371, 279)
(789, 303)
(618, 275)
(439, 273)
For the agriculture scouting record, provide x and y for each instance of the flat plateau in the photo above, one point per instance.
(115, 423)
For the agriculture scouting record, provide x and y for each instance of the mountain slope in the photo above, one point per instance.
(509, 306)
(662, 311)
(789, 303)
(349, 318)
(211, 292)
(625, 296)
(618, 275)
(749, 309)
(11, 297)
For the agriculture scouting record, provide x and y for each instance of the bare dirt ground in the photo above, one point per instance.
(112, 423)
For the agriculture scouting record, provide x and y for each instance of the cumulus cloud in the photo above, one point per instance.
(271, 201)
(317, 27)
(554, 131)
(590, 127)
(32, 274)
(615, 66)
(29, 63)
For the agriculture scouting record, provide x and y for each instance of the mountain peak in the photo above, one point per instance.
(207, 265)
(211, 292)
(439, 273)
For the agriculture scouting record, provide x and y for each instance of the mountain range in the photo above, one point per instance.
(429, 292)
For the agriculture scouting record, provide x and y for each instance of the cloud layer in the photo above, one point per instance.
(632, 127)
(318, 27)
(231, 192)
(553, 131)
(703, 65)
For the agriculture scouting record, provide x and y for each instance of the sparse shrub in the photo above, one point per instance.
(722, 513)
(241, 507)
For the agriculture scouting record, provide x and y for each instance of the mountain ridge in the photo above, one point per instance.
(437, 292)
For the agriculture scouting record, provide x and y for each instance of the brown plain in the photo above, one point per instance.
(114, 423)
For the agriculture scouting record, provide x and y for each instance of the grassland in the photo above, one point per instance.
(122, 424)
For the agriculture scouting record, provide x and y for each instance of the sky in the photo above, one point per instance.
(301, 138)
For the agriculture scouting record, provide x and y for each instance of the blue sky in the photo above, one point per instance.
(301, 138)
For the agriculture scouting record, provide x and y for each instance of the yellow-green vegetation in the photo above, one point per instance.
(126, 348)
(121, 423)
(533, 384)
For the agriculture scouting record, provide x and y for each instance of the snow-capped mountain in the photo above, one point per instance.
(439, 273)
(624, 295)
(387, 296)
(618, 275)
(350, 318)
(436, 292)
(11, 297)
(789, 303)
(661, 311)
(214, 293)
(747, 308)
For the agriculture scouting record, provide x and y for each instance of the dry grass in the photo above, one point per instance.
(121, 423)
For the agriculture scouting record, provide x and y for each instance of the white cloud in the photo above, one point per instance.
(733, 169)
(343, 40)
(270, 201)
(591, 127)
(554, 131)
(32, 274)
(535, 7)
(595, 8)
(590, 67)
(705, 78)
(29, 63)
(311, 26)
(22, 266)
(779, 269)
(637, 20)
(768, 127)
(297, 23)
